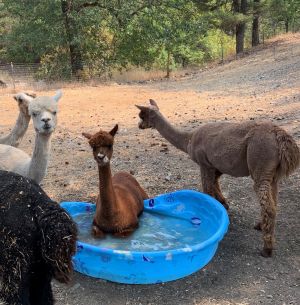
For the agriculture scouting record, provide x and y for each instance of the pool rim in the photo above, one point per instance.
(215, 238)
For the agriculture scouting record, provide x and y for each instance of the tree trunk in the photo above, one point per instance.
(286, 23)
(71, 32)
(239, 37)
(168, 65)
(255, 31)
(255, 24)
(240, 7)
(222, 47)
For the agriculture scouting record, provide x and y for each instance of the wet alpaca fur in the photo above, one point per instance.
(259, 149)
(120, 199)
(38, 239)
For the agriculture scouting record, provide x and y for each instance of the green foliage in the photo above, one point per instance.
(176, 28)
(35, 31)
(219, 44)
(285, 11)
(54, 66)
(90, 38)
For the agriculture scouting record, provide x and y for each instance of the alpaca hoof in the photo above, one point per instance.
(266, 252)
(257, 226)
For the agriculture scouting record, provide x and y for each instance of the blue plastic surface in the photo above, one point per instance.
(148, 267)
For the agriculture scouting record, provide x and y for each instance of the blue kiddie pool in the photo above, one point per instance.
(178, 234)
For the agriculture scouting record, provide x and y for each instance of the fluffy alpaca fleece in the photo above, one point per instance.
(43, 111)
(38, 239)
(15, 136)
(120, 199)
(259, 149)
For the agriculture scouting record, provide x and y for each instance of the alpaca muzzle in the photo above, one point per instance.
(47, 128)
(101, 158)
(142, 125)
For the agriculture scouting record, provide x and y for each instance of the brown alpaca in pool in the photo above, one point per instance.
(259, 149)
(120, 199)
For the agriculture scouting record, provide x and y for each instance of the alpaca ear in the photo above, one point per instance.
(87, 135)
(114, 130)
(32, 94)
(20, 97)
(153, 103)
(142, 108)
(57, 95)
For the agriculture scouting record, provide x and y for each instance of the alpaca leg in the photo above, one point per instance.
(210, 184)
(128, 231)
(275, 192)
(97, 233)
(219, 195)
(268, 214)
(263, 160)
(14, 289)
(274, 185)
(40, 286)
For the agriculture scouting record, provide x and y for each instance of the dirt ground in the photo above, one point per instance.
(263, 85)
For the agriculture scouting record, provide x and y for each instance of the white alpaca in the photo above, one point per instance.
(15, 136)
(43, 111)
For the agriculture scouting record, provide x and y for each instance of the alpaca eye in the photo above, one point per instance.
(109, 146)
(34, 114)
(54, 112)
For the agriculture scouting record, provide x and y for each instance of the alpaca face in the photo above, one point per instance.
(144, 122)
(43, 111)
(102, 145)
(147, 114)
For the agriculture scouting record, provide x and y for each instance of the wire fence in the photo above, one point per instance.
(37, 76)
(18, 75)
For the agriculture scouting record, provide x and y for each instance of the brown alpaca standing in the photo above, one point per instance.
(259, 149)
(120, 199)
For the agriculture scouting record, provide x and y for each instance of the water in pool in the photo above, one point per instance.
(156, 232)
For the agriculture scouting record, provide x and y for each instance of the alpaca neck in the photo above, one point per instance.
(179, 139)
(17, 133)
(106, 190)
(40, 157)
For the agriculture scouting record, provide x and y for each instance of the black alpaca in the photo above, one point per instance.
(37, 241)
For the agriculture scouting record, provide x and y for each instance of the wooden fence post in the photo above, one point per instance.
(12, 75)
